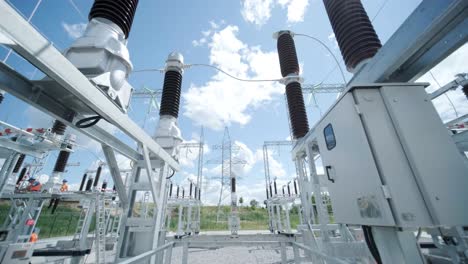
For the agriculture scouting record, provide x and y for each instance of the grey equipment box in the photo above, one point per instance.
(390, 161)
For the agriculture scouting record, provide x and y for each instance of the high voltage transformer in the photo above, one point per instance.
(391, 169)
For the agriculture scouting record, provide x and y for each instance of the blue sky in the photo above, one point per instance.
(236, 36)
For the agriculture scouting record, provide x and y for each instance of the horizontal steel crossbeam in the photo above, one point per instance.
(31, 45)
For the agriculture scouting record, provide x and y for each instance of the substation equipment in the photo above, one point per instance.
(187, 204)
(391, 166)
(380, 144)
(279, 200)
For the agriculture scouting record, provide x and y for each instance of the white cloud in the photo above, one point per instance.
(244, 153)
(222, 100)
(332, 38)
(445, 72)
(252, 191)
(275, 167)
(188, 155)
(74, 31)
(37, 119)
(296, 9)
(259, 11)
(200, 42)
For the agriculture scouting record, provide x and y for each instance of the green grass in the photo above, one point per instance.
(63, 222)
(251, 219)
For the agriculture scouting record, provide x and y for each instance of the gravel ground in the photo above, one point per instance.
(226, 255)
(232, 255)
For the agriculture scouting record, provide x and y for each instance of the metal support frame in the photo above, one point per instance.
(461, 80)
(31, 45)
(115, 173)
(7, 169)
(432, 32)
(276, 204)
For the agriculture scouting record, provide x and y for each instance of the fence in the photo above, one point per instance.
(62, 223)
(250, 218)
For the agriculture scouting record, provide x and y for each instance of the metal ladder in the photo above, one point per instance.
(115, 225)
(85, 207)
(21, 212)
(100, 237)
(144, 204)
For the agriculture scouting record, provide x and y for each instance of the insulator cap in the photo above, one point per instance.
(62, 160)
(353, 30)
(120, 12)
(287, 54)
(297, 111)
(19, 163)
(170, 99)
(465, 90)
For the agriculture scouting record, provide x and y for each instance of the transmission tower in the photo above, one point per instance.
(228, 177)
(154, 97)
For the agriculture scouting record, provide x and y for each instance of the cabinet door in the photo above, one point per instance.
(354, 183)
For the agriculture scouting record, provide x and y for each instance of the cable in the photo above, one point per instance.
(369, 238)
(328, 49)
(150, 70)
(380, 9)
(446, 95)
(232, 76)
(418, 235)
(216, 68)
(173, 172)
(88, 121)
(72, 3)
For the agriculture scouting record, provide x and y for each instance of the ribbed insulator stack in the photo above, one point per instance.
(59, 128)
(353, 30)
(170, 99)
(19, 163)
(465, 90)
(287, 55)
(98, 175)
(21, 175)
(290, 67)
(233, 185)
(62, 160)
(297, 111)
(83, 181)
(120, 12)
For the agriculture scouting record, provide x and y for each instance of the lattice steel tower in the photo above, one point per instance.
(228, 177)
